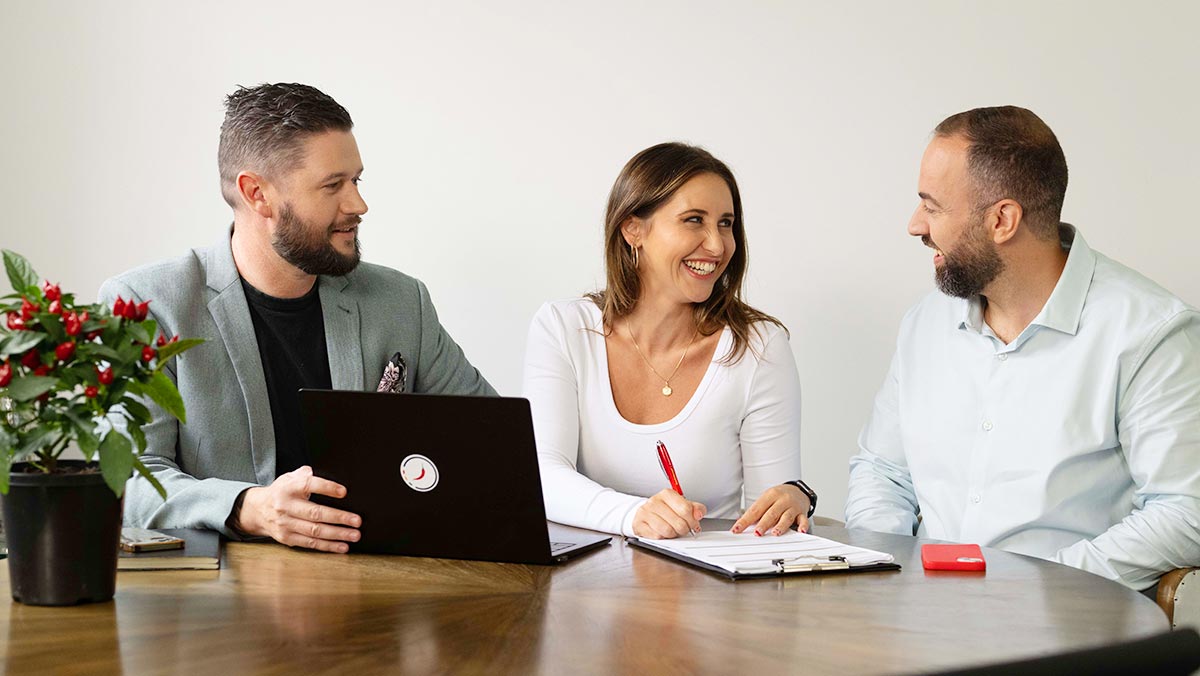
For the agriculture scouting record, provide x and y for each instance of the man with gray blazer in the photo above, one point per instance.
(283, 303)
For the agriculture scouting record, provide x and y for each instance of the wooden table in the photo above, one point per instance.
(620, 610)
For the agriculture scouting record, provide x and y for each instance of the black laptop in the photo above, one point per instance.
(437, 475)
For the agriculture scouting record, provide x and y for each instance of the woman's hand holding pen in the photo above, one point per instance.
(666, 515)
(775, 511)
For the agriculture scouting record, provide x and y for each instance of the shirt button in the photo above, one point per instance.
(1002, 357)
(987, 425)
(976, 498)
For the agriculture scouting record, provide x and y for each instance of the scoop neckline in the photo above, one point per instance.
(611, 404)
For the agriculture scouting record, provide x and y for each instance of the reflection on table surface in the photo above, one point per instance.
(276, 610)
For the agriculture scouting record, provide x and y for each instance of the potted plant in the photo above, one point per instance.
(72, 375)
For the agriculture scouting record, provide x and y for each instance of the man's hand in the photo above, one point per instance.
(775, 511)
(668, 515)
(282, 511)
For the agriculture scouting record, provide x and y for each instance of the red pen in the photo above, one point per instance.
(668, 468)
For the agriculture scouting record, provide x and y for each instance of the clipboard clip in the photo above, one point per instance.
(805, 564)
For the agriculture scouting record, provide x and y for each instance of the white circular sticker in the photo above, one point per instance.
(419, 473)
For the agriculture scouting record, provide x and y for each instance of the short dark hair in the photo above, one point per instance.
(1014, 155)
(265, 125)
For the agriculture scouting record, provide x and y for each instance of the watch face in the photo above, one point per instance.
(419, 473)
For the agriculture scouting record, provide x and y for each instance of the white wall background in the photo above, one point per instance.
(491, 133)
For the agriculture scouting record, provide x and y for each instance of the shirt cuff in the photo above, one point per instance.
(627, 522)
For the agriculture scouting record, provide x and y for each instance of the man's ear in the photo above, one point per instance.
(633, 229)
(1004, 219)
(251, 188)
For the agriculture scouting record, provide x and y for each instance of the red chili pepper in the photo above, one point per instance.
(90, 391)
(41, 371)
(15, 323)
(5, 374)
(174, 338)
(147, 353)
(141, 310)
(55, 307)
(27, 309)
(51, 291)
(92, 335)
(84, 316)
(162, 340)
(73, 325)
(31, 359)
(119, 308)
(65, 351)
(105, 376)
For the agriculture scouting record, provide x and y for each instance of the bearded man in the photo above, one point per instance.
(283, 303)
(1046, 401)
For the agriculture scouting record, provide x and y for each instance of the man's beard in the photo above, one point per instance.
(309, 248)
(971, 267)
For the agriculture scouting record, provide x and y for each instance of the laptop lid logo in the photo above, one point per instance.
(419, 473)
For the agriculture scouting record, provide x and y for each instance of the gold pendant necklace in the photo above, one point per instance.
(666, 390)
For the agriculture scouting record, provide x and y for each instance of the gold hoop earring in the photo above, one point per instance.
(634, 250)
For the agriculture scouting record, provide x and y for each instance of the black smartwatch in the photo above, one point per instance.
(812, 495)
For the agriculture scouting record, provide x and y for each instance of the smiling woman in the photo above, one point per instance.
(668, 352)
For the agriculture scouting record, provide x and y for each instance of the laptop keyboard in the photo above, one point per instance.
(556, 547)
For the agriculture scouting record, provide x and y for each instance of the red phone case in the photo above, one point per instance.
(952, 557)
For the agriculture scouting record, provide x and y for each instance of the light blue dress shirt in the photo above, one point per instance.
(1079, 442)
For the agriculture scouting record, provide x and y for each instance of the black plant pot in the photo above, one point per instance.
(62, 533)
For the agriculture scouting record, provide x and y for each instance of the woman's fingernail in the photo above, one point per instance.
(775, 532)
(736, 529)
(758, 532)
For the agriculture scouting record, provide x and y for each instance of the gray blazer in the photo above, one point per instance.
(228, 443)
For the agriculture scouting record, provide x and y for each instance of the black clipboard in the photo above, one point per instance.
(815, 568)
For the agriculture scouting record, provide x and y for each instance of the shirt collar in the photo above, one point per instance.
(1065, 305)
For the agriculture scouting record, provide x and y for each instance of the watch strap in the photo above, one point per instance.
(812, 495)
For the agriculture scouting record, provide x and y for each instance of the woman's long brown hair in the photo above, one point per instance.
(646, 183)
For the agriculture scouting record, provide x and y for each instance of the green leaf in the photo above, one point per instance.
(88, 443)
(53, 325)
(170, 350)
(20, 272)
(116, 461)
(85, 434)
(139, 333)
(141, 469)
(105, 352)
(34, 441)
(136, 410)
(27, 388)
(163, 392)
(8, 442)
(20, 341)
(139, 437)
(129, 354)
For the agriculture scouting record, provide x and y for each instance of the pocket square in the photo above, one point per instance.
(395, 375)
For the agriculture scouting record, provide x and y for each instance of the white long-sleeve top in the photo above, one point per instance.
(741, 428)
(1078, 442)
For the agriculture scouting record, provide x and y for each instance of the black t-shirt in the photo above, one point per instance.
(291, 343)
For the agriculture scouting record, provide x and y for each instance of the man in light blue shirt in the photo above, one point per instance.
(1047, 400)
